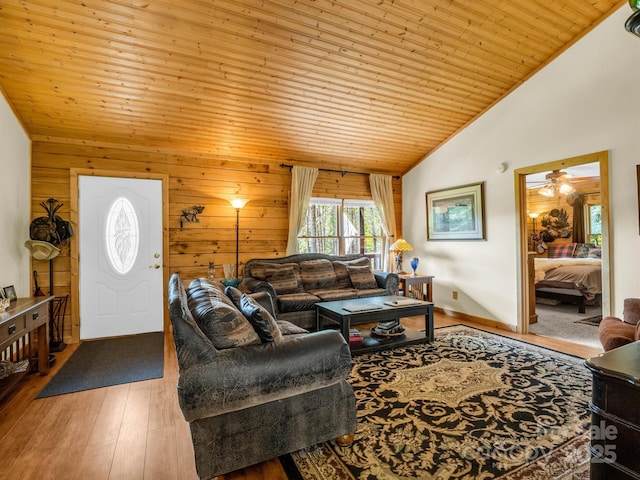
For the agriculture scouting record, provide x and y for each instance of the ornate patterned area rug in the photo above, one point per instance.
(472, 405)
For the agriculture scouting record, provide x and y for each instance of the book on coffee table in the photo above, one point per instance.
(401, 302)
(355, 337)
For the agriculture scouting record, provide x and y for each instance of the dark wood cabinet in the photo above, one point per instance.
(615, 417)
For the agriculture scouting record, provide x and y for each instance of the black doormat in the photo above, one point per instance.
(111, 361)
(591, 320)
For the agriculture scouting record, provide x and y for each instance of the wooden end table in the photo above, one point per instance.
(419, 286)
(336, 311)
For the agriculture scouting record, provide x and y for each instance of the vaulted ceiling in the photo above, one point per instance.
(358, 85)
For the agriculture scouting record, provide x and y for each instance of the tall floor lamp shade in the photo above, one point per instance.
(238, 203)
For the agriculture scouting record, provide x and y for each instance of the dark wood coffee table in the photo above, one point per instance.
(347, 319)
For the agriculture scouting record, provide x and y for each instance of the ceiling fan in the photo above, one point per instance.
(557, 183)
(633, 22)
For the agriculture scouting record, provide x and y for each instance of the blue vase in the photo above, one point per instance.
(414, 264)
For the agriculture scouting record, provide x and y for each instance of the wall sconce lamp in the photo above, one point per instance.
(238, 203)
(191, 214)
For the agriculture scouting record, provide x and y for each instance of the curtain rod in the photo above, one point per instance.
(342, 172)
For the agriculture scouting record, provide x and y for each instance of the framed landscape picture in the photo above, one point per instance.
(456, 213)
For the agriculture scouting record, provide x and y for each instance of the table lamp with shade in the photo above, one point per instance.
(399, 246)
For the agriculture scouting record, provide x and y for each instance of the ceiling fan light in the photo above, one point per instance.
(547, 191)
(565, 189)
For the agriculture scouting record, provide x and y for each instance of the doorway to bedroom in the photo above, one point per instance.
(564, 247)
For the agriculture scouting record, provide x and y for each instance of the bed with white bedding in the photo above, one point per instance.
(571, 280)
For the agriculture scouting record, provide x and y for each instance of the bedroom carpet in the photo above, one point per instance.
(471, 405)
(560, 321)
(110, 361)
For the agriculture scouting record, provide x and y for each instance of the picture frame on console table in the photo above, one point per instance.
(456, 213)
(10, 293)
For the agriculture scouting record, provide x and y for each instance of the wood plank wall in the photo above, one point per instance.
(194, 179)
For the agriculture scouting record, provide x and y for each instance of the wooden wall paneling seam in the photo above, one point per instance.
(119, 151)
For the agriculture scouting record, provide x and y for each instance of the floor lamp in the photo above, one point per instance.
(238, 203)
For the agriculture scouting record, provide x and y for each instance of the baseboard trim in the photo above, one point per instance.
(472, 318)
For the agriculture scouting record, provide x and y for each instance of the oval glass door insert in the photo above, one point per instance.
(122, 235)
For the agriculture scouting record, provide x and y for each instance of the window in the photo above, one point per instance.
(342, 227)
(594, 229)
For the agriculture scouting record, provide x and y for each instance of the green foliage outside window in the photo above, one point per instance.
(595, 224)
(340, 227)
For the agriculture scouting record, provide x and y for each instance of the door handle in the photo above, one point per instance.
(155, 265)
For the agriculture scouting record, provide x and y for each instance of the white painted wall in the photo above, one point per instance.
(15, 202)
(587, 100)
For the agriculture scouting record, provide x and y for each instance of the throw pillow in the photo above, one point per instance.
(284, 279)
(582, 250)
(342, 275)
(288, 328)
(362, 277)
(234, 295)
(219, 320)
(317, 274)
(264, 324)
(561, 251)
(595, 252)
(257, 269)
(263, 298)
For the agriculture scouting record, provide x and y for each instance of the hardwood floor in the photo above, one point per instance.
(131, 431)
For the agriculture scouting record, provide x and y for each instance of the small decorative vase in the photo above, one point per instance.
(211, 272)
(229, 279)
(414, 265)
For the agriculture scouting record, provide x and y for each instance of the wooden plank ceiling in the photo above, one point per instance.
(359, 85)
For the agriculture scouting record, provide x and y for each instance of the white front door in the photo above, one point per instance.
(120, 250)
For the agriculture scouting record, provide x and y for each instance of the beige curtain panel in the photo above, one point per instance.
(302, 181)
(382, 194)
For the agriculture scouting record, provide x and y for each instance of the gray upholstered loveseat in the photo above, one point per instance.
(298, 282)
(251, 399)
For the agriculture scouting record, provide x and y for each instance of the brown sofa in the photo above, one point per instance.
(298, 282)
(614, 332)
